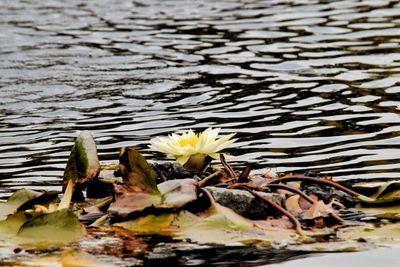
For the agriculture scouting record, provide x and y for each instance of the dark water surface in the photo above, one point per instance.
(307, 85)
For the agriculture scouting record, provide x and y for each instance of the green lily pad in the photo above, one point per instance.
(151, 224)
(15, 201)
(12, 224)
(56, 228)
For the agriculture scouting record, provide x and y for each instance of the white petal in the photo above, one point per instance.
(211, 134)
(226, 144)
(160, 145)
(201, 143)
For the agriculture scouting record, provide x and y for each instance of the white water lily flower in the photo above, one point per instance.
(190, 145)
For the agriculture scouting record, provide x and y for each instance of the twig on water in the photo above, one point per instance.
(209, 178)
(295, 222)
(244, 175)
(291, 189)
(231, 173)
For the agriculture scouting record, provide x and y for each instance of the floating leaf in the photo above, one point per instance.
(384, 192)
(151, 224)
(384, 234)
(83, 163)
(391, 213)
(59, 227)
(16, 200)
(233, 221)
(69, 258)
(73, 258)
(12, 224)
(127, 201)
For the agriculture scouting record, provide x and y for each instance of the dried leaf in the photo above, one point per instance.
(384, 192)
(292, 205)
(128, 202)
(136, 172)
(317, 210)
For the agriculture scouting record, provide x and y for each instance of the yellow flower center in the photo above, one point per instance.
(191, 141)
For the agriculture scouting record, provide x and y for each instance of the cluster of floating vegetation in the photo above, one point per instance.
(192, 202)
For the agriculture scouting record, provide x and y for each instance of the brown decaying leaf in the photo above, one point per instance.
(317, 210)
(292, 205)
(137, 173)
(128, 201)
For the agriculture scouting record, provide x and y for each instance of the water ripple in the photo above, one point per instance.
(307, 85)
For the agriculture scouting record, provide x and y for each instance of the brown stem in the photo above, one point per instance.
(248, 185)
(315, 180)
(295, 222)
(207, 179)
(227, 167)
(291, 189)
(303, 195)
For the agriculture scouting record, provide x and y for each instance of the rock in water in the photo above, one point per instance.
(244, 203)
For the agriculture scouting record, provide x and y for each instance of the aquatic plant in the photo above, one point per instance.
(191, 149)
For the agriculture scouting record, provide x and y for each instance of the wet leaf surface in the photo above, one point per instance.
(15, 201)
(137, 172)
(83, 163)
(57, 228)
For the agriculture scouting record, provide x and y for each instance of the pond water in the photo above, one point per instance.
(307, 85)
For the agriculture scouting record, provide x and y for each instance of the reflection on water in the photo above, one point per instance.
(307, 85)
